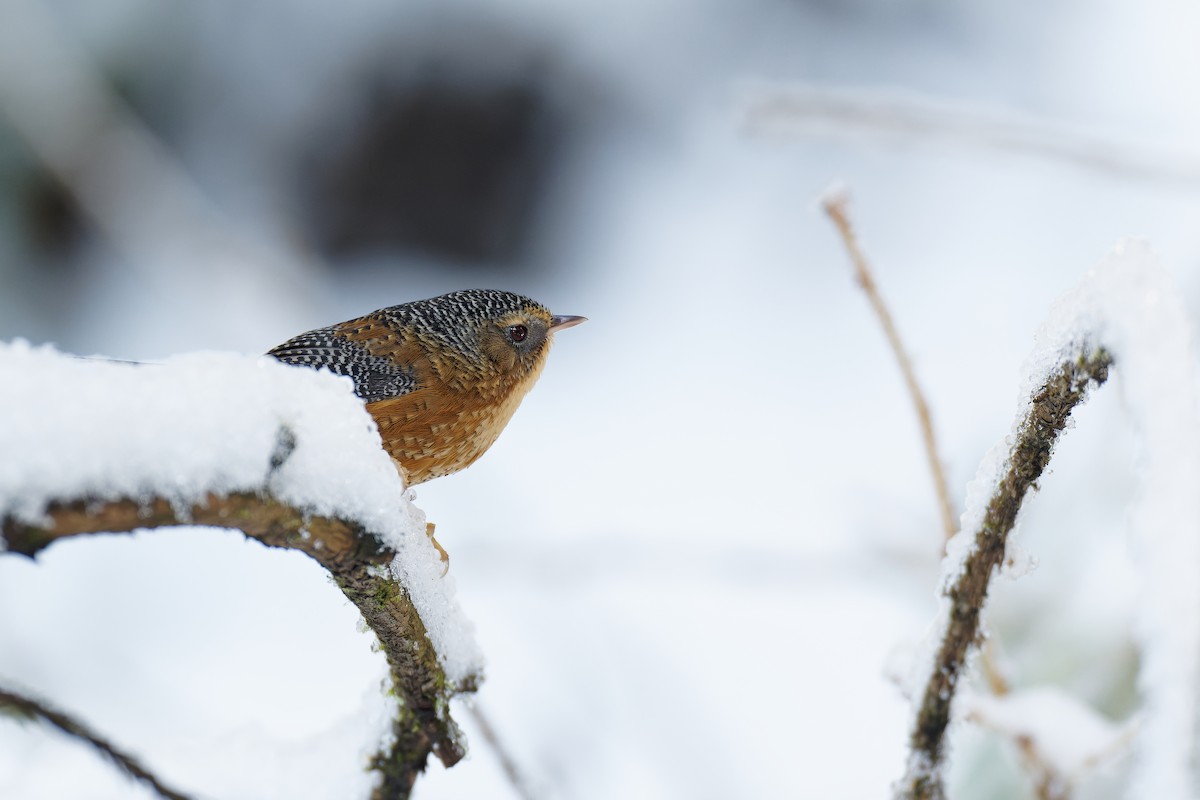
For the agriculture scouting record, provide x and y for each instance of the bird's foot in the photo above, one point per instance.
(429, 528)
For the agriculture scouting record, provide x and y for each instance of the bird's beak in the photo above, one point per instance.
(562, 323)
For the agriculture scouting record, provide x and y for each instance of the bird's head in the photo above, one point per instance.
(497, 338)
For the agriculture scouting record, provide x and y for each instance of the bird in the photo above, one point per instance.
(441, 377)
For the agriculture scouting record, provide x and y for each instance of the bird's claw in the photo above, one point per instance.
(429, 528)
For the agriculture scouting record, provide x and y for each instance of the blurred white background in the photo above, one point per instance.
(708, 534)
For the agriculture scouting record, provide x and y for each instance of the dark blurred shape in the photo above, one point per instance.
(50, 217)
(454, 168)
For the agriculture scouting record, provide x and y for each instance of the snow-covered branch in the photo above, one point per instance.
(352, 556)
(287, 455)
(1046, 418)
(1127, 313)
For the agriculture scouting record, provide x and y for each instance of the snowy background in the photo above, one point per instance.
(708, 538)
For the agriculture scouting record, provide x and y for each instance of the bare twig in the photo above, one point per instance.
(834, 204)
(1045, 779)
(798, 109)
(1047, 783)
(509, 764)
(25, 707)
(353, 556)
(1053, 773)
(995, 679)
(1030, 453)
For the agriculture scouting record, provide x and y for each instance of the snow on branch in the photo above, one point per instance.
(285, 454)
(1047, 415)
(1126, 313)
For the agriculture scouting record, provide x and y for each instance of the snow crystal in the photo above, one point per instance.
(75, 428)
(836, 193)
(1017, 561)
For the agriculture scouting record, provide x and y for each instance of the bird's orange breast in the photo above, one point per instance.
(447, 423)
(435, 431)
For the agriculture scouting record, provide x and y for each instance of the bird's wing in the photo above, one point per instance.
(375, 377)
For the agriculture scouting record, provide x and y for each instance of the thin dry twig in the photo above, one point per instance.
(851, 113)
(835, 204)
(1049, 780)
(1047, 783)
(1045, 780)
(1051, 406)
(509, 764)
(352, 556)
(25, 707)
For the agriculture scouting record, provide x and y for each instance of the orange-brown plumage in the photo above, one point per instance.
(441, 377)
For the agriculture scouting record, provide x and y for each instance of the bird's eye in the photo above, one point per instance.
(517, 333)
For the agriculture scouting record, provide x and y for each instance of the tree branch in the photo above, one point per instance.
(352, 555)
(1030, 453)
(25, 707)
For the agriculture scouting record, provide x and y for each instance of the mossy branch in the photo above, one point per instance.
(1049, 410)
(353, 557)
